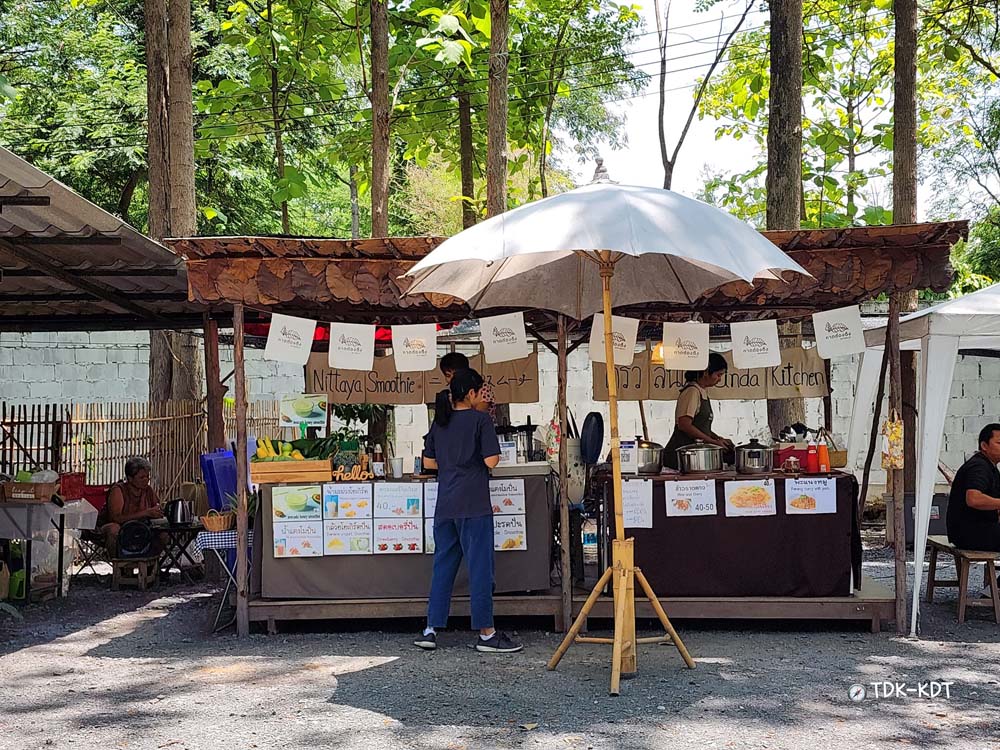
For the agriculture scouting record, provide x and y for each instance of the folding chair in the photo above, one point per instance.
(92, 550)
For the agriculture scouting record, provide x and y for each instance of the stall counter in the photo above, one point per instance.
(335, 567)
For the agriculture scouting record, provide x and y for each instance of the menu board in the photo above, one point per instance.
(299, 408)
(507, 496)
(694, 497)
(809, 496)
(750, 498)
(510, 533)
(429, 536)
(399, 499)
(298, 539)
(430, 499)
(347, 536)
(637, 503)
(403, 536)
(347, 500)
(297, 503)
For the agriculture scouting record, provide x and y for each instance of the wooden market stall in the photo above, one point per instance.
(250, 278)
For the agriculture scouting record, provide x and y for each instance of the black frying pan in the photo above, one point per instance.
(592, 438)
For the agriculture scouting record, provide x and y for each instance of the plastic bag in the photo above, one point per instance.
(892, 442)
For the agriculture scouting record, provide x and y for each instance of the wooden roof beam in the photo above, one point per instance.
(24, 200)
(130, 273)
(66, 239)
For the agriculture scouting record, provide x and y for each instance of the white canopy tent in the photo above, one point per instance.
(939, 333)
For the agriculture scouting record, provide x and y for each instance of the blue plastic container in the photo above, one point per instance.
(218, 468)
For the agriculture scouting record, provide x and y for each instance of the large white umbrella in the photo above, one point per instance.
(560, 254)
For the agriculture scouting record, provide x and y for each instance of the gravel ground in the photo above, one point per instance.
(130, 670)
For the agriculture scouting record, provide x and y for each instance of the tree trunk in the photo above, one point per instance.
(355, 204)
(467, 155)
(128, 193)
(180, 119)
(380, 117)
(904, 205)
(496, 110)
(895, 475)
(157, 130)
(662, 27)
(784, 160)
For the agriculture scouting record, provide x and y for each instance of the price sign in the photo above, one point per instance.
(691, 498)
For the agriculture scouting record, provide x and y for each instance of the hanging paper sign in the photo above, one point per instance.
(839, 332)
(303, 407)
(637, 503)
(289, 339)
(395, 537)
(685, 346)
(690, 498)
(297, 503)
(347, 500)
(507, 496)
(755, 344)
(298, 539)
(632, 379)
(805, 496)
(352, 346)
(623, 334)
(750, 498)
(398, 499)
(430, 499)
(510, 534)
(429, 536)
(347, 537)
(504, 338)
(414, 347)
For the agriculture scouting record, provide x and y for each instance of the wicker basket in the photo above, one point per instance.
(215, 521)
(838, 458)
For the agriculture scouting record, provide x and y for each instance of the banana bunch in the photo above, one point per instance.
(275, 450)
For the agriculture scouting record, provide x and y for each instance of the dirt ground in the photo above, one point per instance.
(129, 670)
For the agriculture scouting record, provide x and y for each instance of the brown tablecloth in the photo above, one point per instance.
(780, 555)
(377, 576)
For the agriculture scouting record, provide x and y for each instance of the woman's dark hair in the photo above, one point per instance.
(462, 382)
(716, 363)
(453, 362)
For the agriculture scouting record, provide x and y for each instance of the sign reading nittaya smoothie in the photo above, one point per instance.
(309, 408)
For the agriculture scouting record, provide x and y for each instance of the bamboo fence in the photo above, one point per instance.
(31, 436)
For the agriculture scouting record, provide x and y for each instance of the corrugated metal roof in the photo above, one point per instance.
(66, 263)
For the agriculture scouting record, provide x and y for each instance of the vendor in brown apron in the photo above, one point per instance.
(693, 414)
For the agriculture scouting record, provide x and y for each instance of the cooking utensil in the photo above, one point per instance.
(179, 512)
(699, 458)
(754, 458)
(650, 456)
(592, 437)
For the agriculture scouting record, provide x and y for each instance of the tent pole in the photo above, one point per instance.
(213, 385)
(873, 435)
(898, 510)
(565, 538)
(242, 547)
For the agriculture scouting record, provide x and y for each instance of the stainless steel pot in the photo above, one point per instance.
(754, 458)
(699, 458)
(650, 456)
(180, 512)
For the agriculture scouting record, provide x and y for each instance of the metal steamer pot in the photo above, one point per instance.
(699, 458)
(650, 456)
(754, 458)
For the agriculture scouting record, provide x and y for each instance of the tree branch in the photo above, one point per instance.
(967, 47)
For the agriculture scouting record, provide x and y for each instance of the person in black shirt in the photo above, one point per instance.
(973, 505)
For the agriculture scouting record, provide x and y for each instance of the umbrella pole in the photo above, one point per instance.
(623, 571)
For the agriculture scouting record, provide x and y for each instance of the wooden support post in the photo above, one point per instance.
(214, 389)
(581, 618)
(873, 436)
(565, 539)
(898, 514)
(624, 555)
(242, 546)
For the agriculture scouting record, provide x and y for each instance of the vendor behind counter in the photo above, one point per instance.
(693, 414)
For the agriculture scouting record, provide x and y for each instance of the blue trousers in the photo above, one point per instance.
(455, 538)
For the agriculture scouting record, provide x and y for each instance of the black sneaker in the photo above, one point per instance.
(498, 643)
(426, 642)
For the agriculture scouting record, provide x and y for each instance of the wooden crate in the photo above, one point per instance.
(278, 472)
(26, 492)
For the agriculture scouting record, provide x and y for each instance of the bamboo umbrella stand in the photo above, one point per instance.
(623, 574)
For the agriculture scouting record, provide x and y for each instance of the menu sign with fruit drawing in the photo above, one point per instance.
(507, 496)
(399, 500)
(347, 537)
(298, 539)
(398, 537)
(805, 496)
(347, 500)
(296, 503)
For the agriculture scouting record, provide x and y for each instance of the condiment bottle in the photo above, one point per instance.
(823, 455)
(812, 458)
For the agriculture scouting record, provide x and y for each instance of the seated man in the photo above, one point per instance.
(972, 519)
(131, 500)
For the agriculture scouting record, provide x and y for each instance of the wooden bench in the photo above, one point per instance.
(964, 560)
(140, 572)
